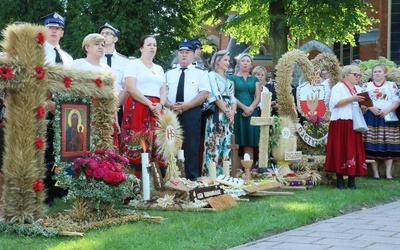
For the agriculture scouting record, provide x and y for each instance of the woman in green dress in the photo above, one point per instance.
(247, 93)
(219, 126)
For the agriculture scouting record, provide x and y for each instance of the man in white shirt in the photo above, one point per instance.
(115, 60)
(187, 88)
(55, 24)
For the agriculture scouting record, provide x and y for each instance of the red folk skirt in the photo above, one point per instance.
(138, 132)
(345, 149)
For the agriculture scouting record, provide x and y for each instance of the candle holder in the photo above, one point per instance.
(247, 166)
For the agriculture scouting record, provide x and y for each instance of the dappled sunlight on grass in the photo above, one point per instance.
(297, 206)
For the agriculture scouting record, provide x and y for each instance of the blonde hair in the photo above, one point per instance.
(92, 39)
(347, 70)
(258, 70)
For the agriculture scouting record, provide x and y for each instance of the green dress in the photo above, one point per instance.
(245, 134)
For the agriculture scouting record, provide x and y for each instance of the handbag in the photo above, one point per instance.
(391, 117)
(208, 109)
(359, 124)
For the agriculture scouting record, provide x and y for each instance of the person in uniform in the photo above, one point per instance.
(115, 60)
(187, 88)
(197, 53)
(55, 24)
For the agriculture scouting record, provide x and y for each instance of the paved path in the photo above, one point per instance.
(374, 228)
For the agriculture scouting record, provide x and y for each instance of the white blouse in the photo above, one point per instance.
(339, 92)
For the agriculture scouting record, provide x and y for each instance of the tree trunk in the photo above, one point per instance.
(278, 31)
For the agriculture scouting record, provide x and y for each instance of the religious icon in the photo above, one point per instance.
(74, 124)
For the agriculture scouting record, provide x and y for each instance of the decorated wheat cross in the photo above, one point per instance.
(264, 122)
(28, 81)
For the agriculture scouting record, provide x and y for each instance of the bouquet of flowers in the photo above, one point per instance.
(99, 176)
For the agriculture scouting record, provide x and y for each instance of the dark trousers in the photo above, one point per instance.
(191, 123)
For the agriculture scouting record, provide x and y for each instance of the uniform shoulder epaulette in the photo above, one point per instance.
(174, 67)
(200, 67)
(121, 55)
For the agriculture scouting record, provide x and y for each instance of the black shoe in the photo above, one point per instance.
(352, 182)
(376, 178)
(340, 182)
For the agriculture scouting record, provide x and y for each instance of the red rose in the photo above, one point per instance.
(40, 73)
(40, 38)
(39, 143)
(98, 173)
(117, 178)
(6, 72)
(40, 112)
(89, 172)
(108, 176)
(98, 82)
(38, 186)
(67, 82)
(95, 99)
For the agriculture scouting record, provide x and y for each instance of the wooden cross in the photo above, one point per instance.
(28, 82)
(235, 155)
(264, 122)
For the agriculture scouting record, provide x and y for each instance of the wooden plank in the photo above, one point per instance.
(221, 202)
(302, 188)
(175, 208)
(271, 193)
(264, 186)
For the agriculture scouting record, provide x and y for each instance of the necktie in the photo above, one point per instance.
(109, 59)
(58, 57)
(181, 85)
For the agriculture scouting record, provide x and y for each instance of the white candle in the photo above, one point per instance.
(213, 171)
(181, 154)
(225, 168)
(145, 177)
(246, 157)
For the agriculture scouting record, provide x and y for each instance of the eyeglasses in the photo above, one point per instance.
(106, 33)
(356, 74)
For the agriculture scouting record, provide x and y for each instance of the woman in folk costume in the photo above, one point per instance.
(345, 148)
(145, 96)
(382, 140)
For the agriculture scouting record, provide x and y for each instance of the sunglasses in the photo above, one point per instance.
(106, 33)
(356, 74)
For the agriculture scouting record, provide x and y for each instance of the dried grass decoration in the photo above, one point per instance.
(169, 137)
(287, 139)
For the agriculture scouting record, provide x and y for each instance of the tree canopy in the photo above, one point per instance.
(170, 21)
(280, 23)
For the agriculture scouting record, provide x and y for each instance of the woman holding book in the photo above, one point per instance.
(382, 140)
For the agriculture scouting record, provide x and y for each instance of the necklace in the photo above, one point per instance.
(149, 66)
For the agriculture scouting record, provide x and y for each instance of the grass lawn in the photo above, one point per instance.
(261, 217)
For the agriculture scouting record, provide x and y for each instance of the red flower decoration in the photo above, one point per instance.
(67, 82)
(95, 99)
(98, 82)
(40, 38)
(40, 112)
(40, 73)
(38, 186)
(39, 143)
(6, 72)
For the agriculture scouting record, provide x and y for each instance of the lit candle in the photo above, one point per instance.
(213, 171)
(145, 177)
(246, 157)
(181, 154)
(225, 168)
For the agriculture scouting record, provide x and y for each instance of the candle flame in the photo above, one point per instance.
(143, 143)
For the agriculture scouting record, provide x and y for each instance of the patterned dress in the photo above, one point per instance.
(218, 131)
(382, 140)
(245, 134)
